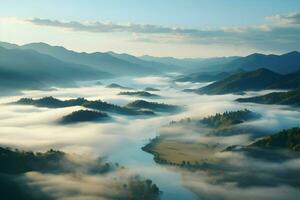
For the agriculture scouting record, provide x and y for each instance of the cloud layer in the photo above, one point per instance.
(281, 34)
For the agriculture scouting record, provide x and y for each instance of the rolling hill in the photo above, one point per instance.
(230, 118)
(84, 116)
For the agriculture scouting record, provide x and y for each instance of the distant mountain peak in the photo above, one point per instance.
(8, 45)
(117, 64)
(292, 53)
(255, 55)
(263, 71)
(43, 45)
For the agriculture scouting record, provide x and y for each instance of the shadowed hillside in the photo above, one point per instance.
(27, 69)
(252, 81)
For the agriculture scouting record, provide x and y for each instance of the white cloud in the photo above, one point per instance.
(291, 19)
(282, 34)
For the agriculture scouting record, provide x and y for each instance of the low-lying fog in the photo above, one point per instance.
(120, 140)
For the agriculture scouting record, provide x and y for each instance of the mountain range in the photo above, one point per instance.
(40, 65)
(125, 64)
(117, 64)
(283, 64)
(214, 71)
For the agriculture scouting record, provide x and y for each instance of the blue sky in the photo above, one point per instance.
(190, 13)
(185, 14)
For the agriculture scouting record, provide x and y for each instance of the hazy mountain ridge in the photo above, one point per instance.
(126, 64)
(202, 77)
(194, 65)
(102, 61)
(28, 69)
(118, 64)
(157, 66)
(284, 64)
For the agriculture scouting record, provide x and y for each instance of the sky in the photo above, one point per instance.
(178, 28)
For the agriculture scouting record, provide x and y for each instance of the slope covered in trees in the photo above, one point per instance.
(291, 97)
(84, 116)
(285, 139)
(99, 105)
(229, 118)
(139, 94)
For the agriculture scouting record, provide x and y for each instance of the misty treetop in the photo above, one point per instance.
(138, 107)
(229, 118)
(139, 94)
(285, 139)
(51, 102)
(84, 116)
(154, 106)
(15, 163)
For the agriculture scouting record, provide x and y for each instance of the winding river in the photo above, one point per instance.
(169, 181)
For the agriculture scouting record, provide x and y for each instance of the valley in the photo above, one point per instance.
(169, 136)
